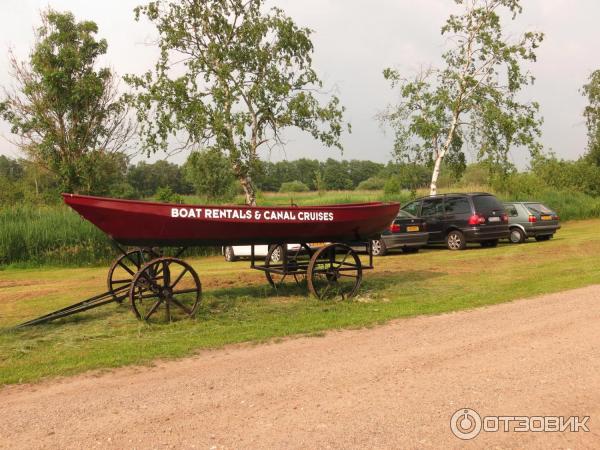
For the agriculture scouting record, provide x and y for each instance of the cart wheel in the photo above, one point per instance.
(167, 284)
(297, 262)
(334, 271)
(124, 268)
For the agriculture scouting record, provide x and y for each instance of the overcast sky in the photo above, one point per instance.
(354, 40)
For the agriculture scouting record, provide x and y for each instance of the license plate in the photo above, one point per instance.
(493, 219)
(412, 228)
(317, 244)
(546, 217)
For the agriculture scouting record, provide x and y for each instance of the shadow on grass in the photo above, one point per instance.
(223, 301)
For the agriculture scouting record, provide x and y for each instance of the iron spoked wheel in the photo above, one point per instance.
(124, 268)
(166, 289)
(334, 272)
(297, 261)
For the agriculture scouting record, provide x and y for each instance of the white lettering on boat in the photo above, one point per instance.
(267, 215)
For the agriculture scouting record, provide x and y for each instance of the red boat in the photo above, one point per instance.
(137, 223)
(158, 285)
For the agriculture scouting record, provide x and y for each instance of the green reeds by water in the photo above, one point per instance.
(55, 235)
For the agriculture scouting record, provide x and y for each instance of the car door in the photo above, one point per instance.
(432, 210)
(457, 211)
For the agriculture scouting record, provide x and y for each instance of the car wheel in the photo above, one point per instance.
(455, 240)
(229, 254)
(378, 247)
(276, 254)
(542, 238)
(489, 244)
(516, 236)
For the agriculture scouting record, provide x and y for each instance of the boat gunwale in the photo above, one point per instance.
(190, 205)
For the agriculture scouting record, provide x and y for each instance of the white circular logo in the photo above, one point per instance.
(465, 424)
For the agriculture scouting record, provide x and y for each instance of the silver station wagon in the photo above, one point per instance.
(531, 219)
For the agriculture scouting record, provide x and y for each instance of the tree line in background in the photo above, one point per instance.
(207, 175)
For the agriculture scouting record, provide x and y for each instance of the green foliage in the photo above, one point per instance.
(65, 112)
(580, 175)
(147, 178)
(371, 184)
(592, 116)
(319, 182)
(166, 195)
(210, 173)
(473, 98)
(293, 186)
(392, 186)
(410, 176)
(55, 235)
(336, 175)
(243, 76)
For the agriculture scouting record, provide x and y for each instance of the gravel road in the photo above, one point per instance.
(393, 386)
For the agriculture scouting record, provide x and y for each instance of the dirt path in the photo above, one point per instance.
(394, 386)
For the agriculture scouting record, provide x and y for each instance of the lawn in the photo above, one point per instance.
(239, 306)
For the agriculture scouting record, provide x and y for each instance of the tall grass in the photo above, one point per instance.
(55, 235)
(50, 235)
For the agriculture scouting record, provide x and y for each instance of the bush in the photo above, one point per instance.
(392, 186)
(371, 184)
(166, 195)
(293, 186)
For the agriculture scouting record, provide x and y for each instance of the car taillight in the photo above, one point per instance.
(395, 228)
(476, 219)
(555, 217)
(532, 219)
(504, 217)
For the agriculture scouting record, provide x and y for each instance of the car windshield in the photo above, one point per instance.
(538, 208)
(404, 215)
(487, 204)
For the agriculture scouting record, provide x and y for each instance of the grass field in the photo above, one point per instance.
(239, 306)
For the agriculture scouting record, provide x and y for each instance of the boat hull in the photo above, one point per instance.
(137, 223)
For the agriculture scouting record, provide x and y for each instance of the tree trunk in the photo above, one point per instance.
(436, 174)
(442, 153)
(249, 191)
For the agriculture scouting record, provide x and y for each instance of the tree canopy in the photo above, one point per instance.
(66, 112)
(472, 98)
(230, 76)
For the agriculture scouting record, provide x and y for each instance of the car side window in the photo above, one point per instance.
(412, 208)
(511, 210)
(457, 205)
(432, 207)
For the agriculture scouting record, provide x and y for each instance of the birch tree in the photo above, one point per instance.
(473, 98)
(231, 76)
